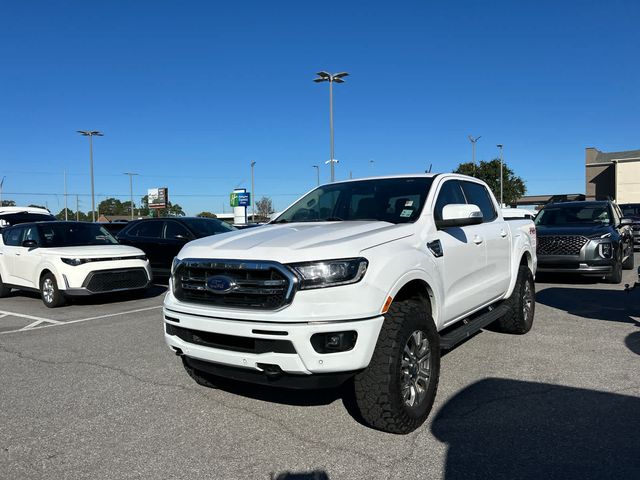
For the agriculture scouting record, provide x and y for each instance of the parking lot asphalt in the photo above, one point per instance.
(91, 391)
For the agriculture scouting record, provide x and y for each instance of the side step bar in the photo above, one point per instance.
(465, 330)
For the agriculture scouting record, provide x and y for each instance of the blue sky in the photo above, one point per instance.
(189, 93)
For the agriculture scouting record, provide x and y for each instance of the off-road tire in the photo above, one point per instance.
(519, 320)
(4, 290)
(201, 378)
(377, 389)
(51, 296)
(615, 276)
(629, 263)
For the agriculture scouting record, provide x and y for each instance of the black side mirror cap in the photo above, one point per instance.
(30, 244)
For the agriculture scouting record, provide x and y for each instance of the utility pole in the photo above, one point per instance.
(501, 162)
(131, 175)
(253, 196)
(65, 196)
(331, 78)
(91, 134)
(77, 209)
(1, 183)
(318, 172)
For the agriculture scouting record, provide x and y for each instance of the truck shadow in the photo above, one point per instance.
(499, 428)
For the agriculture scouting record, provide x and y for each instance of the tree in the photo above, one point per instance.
(70, 214)
(207, 215)
(489, 172)
(113, 206)
(8, 203)
(264, 208)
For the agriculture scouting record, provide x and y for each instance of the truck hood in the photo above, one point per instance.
(92, 251)
(589, 231)
(298, 242)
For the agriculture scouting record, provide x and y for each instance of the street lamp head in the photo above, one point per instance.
(324, 74)
(253, 163)
(340, 75)
(90, 133)
(499, 146)
(474, 140)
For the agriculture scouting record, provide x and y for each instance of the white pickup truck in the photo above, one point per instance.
(364, 281)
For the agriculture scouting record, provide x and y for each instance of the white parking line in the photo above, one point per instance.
(55, 323)
(38, 320)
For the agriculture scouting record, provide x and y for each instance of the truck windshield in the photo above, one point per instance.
(63, 234)
(574, 215)
(393, 200)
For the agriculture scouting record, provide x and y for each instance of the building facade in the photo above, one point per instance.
(612, 175)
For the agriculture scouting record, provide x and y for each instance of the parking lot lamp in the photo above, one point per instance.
(131, 175)
(253, 197)
(91, 134)
(317, 172)
(473, 141)
(501, 162)
(331, 78)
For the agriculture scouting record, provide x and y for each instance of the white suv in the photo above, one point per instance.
(61, 259)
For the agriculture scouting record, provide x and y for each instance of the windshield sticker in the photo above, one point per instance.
(408, 203)
(406, 212)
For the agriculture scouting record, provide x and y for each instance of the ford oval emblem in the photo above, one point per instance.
(220, 284)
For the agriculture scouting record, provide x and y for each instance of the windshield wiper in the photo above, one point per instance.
(280, 221)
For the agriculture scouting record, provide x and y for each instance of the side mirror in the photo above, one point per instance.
(30, 244)
(460, 215)
(180, 237)
(626, 221)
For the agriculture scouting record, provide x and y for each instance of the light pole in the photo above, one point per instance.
(131, 175)
(1, 183)
(331, 78)
(253, 200)
(91, 134)
(501, 162)
(473, 150)
(318, 172)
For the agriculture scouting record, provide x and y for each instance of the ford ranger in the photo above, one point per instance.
(360, 281)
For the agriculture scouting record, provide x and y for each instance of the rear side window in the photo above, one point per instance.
(149, 229)
(174, 229)
(450, 193)
(478, 195)
(13, 236)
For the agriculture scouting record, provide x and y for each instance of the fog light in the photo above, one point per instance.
(333, 342)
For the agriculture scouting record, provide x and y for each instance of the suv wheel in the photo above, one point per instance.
(4, 290)
(615, 276)
(51, 296)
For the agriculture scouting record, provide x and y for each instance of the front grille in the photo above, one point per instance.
(231, 342)
(111, 280)
(561, 244)
(260, 285)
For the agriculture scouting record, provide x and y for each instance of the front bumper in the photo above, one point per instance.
(574, 264)
(301, 359)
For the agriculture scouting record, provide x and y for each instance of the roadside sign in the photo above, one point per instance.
(158, 197)
(240, 199)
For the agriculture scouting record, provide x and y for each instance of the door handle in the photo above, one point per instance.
(503, 233)
(477, 240)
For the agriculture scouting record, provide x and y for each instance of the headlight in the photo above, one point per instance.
(174, 265)
(74, 261)
(605, 249)
(330, 273)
